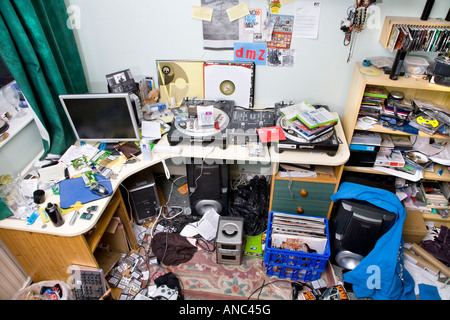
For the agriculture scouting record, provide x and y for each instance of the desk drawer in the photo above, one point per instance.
(314, 191)
(310, 208)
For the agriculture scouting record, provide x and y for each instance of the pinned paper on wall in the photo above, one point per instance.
(282, 31)
(238, 11)
(253, 52)
(307, 16)
(252, 21)
(220, 33)
(201, 13)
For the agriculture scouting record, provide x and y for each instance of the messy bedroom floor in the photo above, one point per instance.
(138, 274)
(141, 275)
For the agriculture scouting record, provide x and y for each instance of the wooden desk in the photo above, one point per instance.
(45, 253)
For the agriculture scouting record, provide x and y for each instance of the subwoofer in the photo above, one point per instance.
(208, 187)
(355, 230)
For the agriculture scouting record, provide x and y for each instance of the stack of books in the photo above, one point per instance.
(299, 233)
(373, 101)
(314, 123)
(433, 195)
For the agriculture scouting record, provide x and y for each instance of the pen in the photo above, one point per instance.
(74, 217)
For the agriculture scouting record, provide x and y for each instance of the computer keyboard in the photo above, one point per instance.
(89, 283)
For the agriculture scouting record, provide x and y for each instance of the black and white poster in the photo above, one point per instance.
(220, 33)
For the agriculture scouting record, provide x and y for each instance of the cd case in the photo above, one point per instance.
(425, 123)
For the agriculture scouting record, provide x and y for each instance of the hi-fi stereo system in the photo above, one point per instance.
(239, 126)
(230, 240)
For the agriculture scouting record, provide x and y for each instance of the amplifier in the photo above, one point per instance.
(230, 240)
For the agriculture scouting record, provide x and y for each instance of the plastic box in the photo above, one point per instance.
(416, 65)
(296, 265)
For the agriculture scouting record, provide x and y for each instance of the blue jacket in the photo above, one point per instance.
(381, 274)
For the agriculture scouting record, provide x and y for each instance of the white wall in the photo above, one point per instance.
(117, 34)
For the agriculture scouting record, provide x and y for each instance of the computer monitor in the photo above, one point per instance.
(103, 117)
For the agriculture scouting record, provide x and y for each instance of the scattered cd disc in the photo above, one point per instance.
(369, 71)
(427, 121)
(417, 157)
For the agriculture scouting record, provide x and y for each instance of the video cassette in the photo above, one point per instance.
(230, 81)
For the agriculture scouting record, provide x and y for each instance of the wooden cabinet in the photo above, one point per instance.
(307, 196)
(47, 256)
(413, 87)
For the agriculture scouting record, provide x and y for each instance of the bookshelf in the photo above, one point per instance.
(390, 21)
(413, 87)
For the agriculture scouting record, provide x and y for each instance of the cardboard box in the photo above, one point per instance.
(115, 237)
(414, 228)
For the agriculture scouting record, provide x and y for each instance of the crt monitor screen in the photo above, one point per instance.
(101, 117)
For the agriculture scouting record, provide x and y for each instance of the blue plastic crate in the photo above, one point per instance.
(296, 265)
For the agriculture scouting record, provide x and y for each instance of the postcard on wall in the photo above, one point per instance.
(252, 22)
(282, 31)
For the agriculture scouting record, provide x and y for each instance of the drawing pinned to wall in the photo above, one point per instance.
(281, 58)
(220, 33)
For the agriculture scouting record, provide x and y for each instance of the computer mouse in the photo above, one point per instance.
(99, 189)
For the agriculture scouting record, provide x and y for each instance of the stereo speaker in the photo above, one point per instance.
(230, 240)
(208, 187)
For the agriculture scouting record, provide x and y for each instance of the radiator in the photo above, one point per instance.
(12, 277)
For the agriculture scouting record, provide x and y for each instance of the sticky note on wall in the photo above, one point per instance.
(238, 11)
(201, 13)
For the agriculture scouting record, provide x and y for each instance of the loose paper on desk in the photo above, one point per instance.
(74, 152)
(306, 24)
(151, 130)
(52, 173)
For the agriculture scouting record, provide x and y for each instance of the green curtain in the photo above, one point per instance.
(41, 53)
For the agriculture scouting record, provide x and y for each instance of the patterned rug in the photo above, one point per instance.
(203, 278)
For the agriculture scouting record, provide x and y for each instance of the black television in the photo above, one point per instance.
(102, 117)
